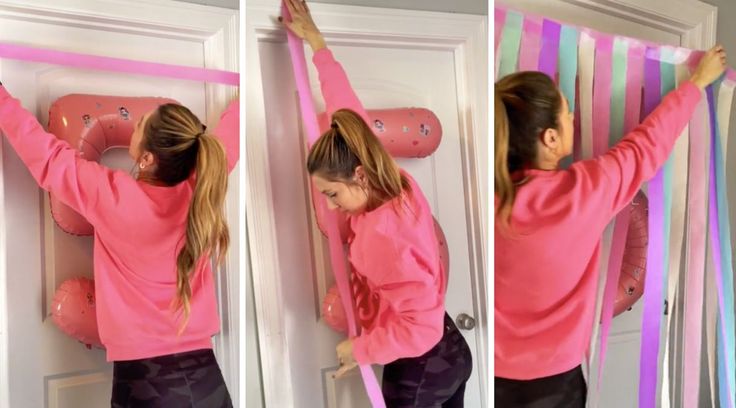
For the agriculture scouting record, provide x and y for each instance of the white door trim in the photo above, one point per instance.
(464, 35)
(693, 20)
(216, 29)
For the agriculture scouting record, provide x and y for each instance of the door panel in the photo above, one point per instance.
(383, 78)
(46, 367)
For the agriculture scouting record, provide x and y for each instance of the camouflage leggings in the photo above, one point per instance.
(434, 380)
(565, 390)
(183, 380)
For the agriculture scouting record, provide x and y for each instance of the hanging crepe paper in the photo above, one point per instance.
(618, 89)
(510, 43)
(724, 105)
(694, 278)
(309, 116)
(718, 220)
(530, 44)
(675, 187)
(596, 61)
(586, 58)
(499, 20)
(99, 63)
(681, 151)
(655, 256)
(550, 46)
(568, 63)
(568, 70)
(621, 225)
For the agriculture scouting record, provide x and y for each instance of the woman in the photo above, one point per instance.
(398, 279)
(153, 240)
(548, 226)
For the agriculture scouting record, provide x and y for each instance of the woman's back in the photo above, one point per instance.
(136, 274)
(546, 261)
(139, 231)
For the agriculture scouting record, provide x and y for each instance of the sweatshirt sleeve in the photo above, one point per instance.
(620, 172)
(53, 163)
(228, 131)
(336, 89)
(408, 287)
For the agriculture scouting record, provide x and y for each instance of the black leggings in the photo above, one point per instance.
(183, 380)
(566, 390)
(434, 380)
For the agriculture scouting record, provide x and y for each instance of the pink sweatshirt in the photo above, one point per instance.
(398, 279)
(139, 230)
(546, 278)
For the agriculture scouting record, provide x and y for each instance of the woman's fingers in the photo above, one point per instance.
(291, 7)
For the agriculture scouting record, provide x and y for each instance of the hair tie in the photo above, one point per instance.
(200, 134)
(334, 125)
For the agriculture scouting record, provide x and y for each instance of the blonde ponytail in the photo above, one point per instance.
(350, 143)
(207, 231)
(178, 141)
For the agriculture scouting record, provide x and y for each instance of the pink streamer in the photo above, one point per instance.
(632, 113)
(531, 44)
(85, 61)
(499, 20)
(337, 255)
(696, 231)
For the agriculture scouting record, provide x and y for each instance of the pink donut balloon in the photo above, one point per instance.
(333, 312)
(404, 132)
(73, 311)
(633, 268)
(92, 124)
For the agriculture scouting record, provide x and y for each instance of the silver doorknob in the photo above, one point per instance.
(465, 322)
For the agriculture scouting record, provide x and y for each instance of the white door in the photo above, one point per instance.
(40, 366)
(384, 76)
(683, 23)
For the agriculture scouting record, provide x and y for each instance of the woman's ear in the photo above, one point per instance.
(147, 159)
(550, 138)
(360, 177)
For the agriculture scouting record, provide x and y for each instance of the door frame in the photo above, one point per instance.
(466, 36)
(695, 23)
(216, 29)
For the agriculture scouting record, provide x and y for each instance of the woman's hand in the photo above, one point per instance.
(302, 25)
(345, 358)
(710, 68)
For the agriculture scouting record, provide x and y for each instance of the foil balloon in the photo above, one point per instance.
(74, 312)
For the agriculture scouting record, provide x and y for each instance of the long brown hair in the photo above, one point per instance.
(180, 144)
(350, 143)
(526, 104)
